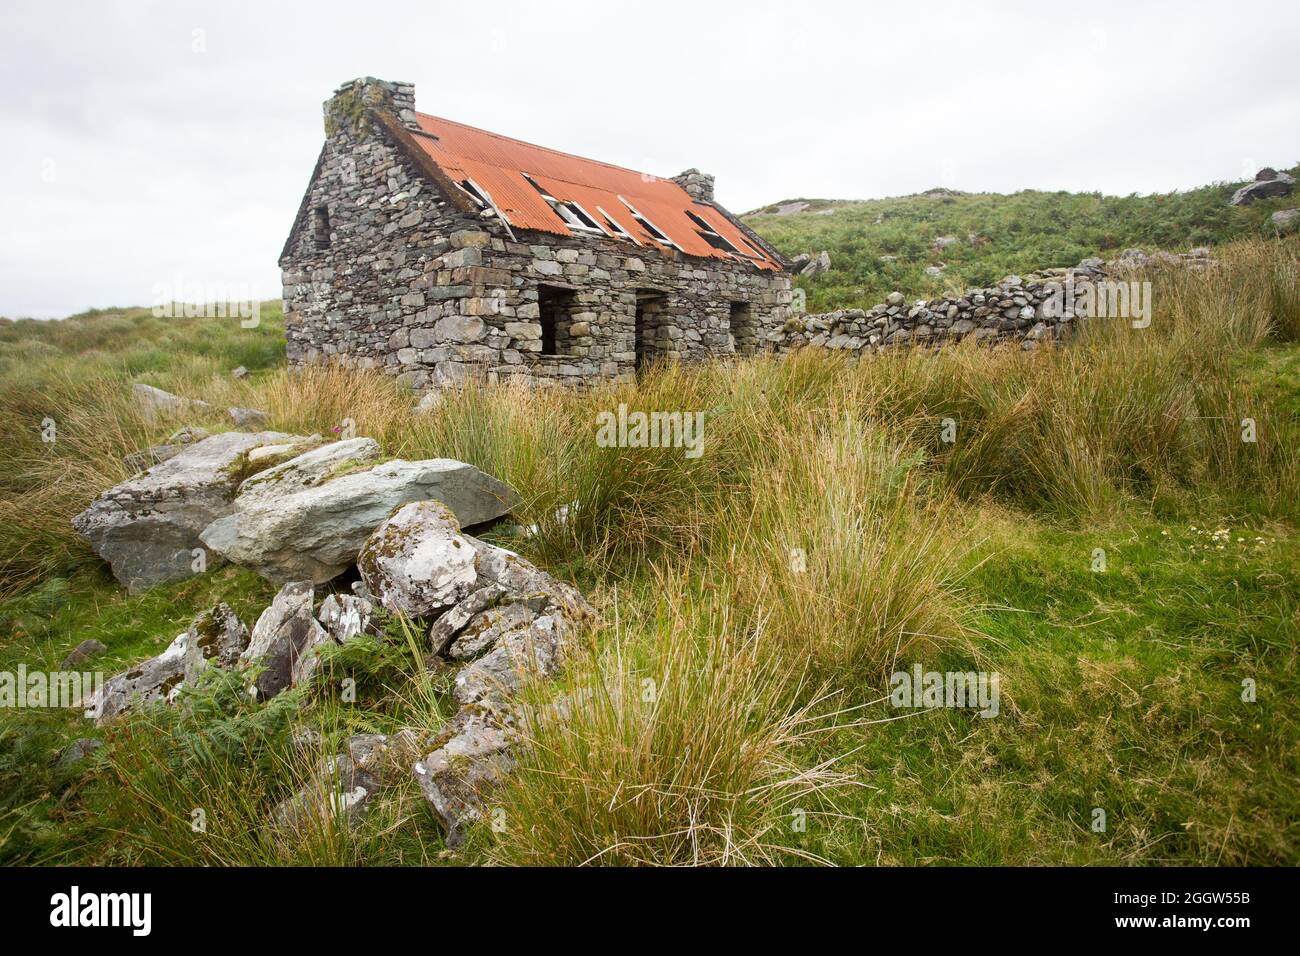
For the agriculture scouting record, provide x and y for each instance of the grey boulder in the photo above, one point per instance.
(506, 646)
(150, 680)
(155, 402)
(1285, 220)
(148, 527)
(417, 562)
(219, 635)
(1268, 184)
(248, 417)
(526, 632)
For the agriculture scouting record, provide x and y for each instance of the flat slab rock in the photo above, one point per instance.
(308, 518)
(140, 460)
(148, 526)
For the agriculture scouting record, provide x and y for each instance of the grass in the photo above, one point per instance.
(731, 707)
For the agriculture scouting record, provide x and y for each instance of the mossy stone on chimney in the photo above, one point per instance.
(349, 108)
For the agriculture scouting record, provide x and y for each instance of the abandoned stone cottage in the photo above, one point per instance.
(436, 251)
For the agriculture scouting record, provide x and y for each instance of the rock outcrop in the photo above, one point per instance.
(1268, 184)
(148, 527)
(500, 617)
(810, 265)
(311, 510)
(307, 518)
(471, 758)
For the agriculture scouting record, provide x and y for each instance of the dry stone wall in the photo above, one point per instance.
(1025, 309)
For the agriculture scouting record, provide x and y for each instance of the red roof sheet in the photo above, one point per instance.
(498, 164)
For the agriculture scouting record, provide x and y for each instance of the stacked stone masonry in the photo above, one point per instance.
(1030, 309)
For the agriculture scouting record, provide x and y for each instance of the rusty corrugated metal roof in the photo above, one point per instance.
(499, 165)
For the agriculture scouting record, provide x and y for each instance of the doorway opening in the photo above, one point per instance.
(649, 319)
(744, 330)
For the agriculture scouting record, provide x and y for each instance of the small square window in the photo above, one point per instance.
(320, 226)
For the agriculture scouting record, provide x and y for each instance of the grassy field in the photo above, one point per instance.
(996, 236)
(1099, 536)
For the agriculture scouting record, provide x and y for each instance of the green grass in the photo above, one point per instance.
(1121, 690)
(998, 236)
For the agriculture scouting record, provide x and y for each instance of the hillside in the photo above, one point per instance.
(996, 235)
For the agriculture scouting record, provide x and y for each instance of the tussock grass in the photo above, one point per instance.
(679, 742)
(839, 559)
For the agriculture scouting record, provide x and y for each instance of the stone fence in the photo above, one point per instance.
(1029, 309)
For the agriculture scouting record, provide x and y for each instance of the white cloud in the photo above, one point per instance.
(167, 161)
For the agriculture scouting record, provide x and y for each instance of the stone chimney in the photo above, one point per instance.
(348, 105)
(698, 185)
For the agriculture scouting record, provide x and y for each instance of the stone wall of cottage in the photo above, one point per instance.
(403, 280)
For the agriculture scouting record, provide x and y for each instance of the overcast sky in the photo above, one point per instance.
(150, 143)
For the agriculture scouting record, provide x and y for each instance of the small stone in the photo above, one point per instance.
(249, 418)
(345, 616)
(77, 751)
(83, 652)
